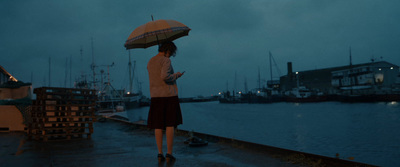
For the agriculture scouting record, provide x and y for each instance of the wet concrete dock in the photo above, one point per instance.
(115, 143)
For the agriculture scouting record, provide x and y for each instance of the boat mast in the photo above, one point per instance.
(259, 78)
(270, 66)
(66, 72)
(245, 85)
(93, 67)
(234, 83)
(351, 64)
(49, 71)
(350, 71)
(82, 73)
(130, 71)
(227, 86)
(133, 72)
(70, 71)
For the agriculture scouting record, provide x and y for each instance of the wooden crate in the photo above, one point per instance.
(62, 113)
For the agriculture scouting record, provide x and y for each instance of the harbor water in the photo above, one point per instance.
(362, 132)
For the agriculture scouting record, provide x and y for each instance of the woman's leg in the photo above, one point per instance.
(159, 139)
(170, 139)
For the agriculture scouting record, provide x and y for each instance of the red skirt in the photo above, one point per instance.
(164, 112)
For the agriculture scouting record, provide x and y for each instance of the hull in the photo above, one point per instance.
(369, 98)
(307, 99)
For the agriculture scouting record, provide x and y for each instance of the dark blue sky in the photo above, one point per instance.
(227, 36)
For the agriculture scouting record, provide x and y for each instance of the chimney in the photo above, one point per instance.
(289, 69)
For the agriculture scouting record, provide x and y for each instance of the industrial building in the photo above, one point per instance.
(368, 78)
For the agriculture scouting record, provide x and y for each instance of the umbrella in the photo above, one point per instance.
(156, 32)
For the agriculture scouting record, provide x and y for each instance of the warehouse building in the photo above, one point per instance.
(367, 78)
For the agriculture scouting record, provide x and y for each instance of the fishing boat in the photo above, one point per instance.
(269, 94)
(264, 95)
(370, 82)
(303, 94)
(111, 103)
(15, 99)
(238, 97)
(131, 99)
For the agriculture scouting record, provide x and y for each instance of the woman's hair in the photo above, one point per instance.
(168, 46)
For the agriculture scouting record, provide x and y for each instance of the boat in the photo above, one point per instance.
(198, 99)
(302, 94)
(238, 97)
(15, 102)
(131, 99)
(264, 95)
(268, 94)
(111, 103)
(373, 82)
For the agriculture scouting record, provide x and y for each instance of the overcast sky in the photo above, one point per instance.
(227, 37)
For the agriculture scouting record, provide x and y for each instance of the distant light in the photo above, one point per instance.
(240, 92)
(128, 93)
(297, 72)
(380, 69)
(391, 68)
(219, 93)
(258, 91)
(13, 79)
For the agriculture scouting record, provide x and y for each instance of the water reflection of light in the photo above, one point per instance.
(393, 103)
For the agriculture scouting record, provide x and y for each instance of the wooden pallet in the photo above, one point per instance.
(62, 113)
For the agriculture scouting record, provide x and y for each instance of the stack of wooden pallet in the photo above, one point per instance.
(62, 113)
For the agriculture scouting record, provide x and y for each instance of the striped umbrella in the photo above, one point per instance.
(156, 32)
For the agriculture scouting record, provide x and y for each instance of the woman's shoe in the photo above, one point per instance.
(160, 158)
(170, 158)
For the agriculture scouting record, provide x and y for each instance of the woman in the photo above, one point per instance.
(165, 111)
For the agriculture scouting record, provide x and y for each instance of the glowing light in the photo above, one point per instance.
(258, 91)
(13, 79)
(391, 68)
(297, 73)
(128, 93)
(380, 69)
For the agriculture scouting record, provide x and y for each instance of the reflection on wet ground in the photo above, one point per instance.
(120, 144)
